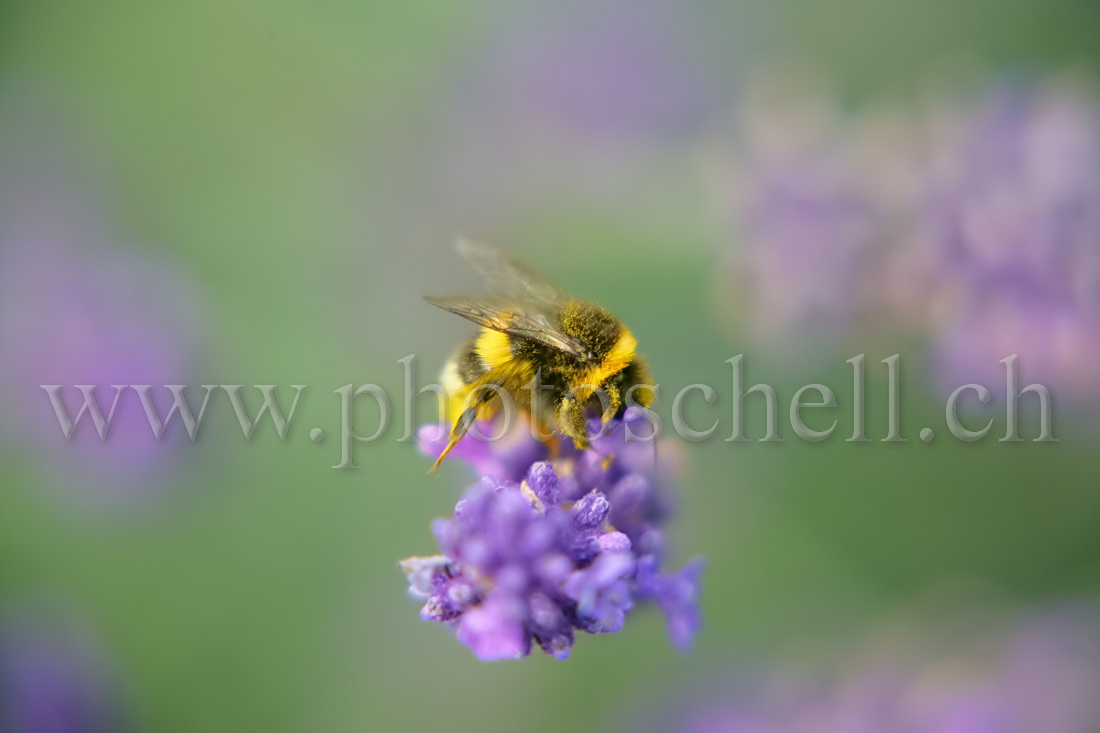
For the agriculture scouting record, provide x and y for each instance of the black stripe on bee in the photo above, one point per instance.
(468, 362)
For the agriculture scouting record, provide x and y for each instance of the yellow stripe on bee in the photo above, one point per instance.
(620, 355)
(456, 389)
(494, 348)
(451, 379)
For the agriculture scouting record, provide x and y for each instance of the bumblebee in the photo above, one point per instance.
(556, 357)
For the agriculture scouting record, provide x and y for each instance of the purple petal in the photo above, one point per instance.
(678, 597)
(494, 631)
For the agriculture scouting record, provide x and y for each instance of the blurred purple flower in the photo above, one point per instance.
(978, 222)
(609, 72)
(534, 554)
(75, 309)
(806, 217)
(1038, 675)
(1012, 213)
(53, 680)
(590, 104)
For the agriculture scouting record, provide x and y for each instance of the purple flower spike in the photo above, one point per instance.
(538, 550)
(78, 307)
(54, 676)
(677, 595)
(1013, 217)
(992, 673)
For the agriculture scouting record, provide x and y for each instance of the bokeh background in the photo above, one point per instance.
(259, 193)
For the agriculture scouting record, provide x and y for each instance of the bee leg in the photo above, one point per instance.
(545, 435)
(479, 397)
(461, 426)
(573, 423)
(614, 402)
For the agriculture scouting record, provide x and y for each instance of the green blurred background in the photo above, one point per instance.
(304, 168)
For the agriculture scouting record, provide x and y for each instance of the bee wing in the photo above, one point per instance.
(512, 318)
(506, 276)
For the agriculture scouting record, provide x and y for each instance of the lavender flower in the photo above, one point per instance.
(805, 216)
(540, 549)
(1040, 673)
(588, 104)
(977, 222)
(75, 308)
(53, 680)
(603, 74)
(1012, 212)
(74, 317)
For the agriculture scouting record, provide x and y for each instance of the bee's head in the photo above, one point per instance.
(628, 386)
